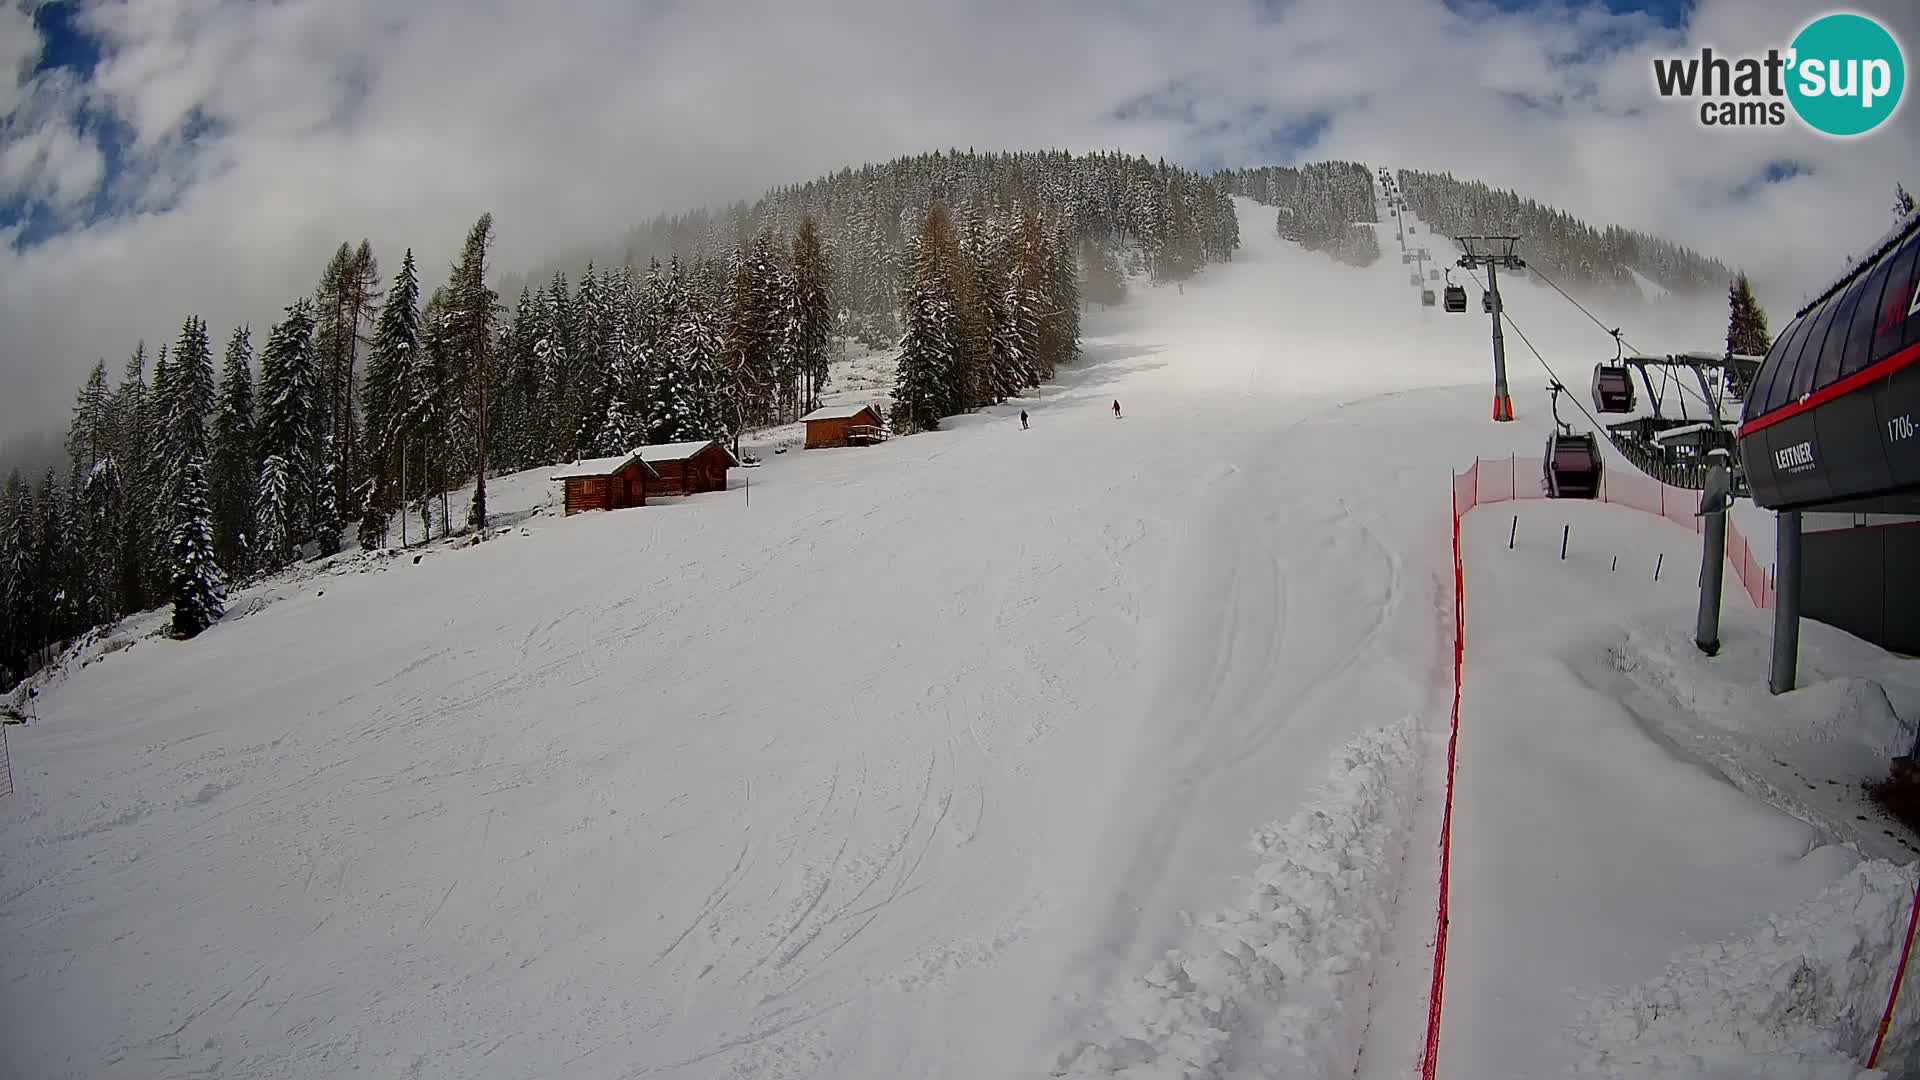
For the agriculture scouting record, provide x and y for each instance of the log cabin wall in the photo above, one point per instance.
(588, 493)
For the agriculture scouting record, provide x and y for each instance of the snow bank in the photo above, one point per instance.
(1288, 975)
(1832, 707)
(1800, 997)
(1807, 752)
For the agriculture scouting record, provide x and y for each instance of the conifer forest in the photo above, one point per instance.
(379, 394)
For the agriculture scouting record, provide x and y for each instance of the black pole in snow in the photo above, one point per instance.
(1565, 531)
(1656, 565)
(1513, 531)
(1784, 669)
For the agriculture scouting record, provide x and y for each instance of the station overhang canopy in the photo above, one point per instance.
(1832, 419)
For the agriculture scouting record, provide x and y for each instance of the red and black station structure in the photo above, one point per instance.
(1830, 440)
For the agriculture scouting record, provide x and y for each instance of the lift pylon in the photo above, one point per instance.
(1493, 253)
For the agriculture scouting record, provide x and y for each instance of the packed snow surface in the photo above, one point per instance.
(935, 758)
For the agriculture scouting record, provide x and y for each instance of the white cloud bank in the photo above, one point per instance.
(264, 134)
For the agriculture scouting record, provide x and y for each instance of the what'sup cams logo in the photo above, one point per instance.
(1842, 75)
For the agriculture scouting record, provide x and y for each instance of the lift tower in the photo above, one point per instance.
(1494, 253)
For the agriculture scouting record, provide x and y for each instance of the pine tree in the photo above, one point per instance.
(343, 304)
(90, 433)
(626, 406)
(1060, 336)
(290, 428)
(588, 364)
(688, 398)
(813, 314)
(557, 425)
(187, 401)
(17, 585)
(274, 514)
(437, 408)
(1902, 202)
(659, 315)
(1011, 343)
(387, 400)
(923, 381)
(473, 329)
(520, 385)
(54, 570)
(236, 465)
(1747, 332)
(197, 599)
(186, 397)
(132, 497)
(744, 372)
(329, 522)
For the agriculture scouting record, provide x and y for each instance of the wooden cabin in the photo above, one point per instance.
(843, 425)
(684, 468)
(608, 483)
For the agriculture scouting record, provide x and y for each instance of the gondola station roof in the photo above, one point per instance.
(1833, 416)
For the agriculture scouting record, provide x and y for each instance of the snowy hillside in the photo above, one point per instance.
(1112, 746)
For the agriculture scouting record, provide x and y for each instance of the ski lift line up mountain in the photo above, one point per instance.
(1639, 447)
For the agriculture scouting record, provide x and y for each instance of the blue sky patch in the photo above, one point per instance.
(1778, 171)
(63, 43)
(1669, 13)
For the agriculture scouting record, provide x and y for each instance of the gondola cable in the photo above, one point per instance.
(1713, 407)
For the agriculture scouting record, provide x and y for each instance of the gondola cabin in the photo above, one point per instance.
(843, 425)
(686, 468)
(608, 483)
(1426, 298)
(1486, 303)
(1433, 275)
(1572, 466)
(1612, 388)
(1456, 298)
(1414, 278)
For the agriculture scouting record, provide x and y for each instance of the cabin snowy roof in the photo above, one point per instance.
(681, 451)
(838, 412)
(604, 466)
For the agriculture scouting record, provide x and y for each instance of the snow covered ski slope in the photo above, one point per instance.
(918, 763)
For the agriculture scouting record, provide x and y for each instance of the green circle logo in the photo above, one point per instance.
(1846, 74)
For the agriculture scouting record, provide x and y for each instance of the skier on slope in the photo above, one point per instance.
(1023, 419)
(1116, 408)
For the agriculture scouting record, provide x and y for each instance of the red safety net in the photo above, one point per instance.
(1496, 480)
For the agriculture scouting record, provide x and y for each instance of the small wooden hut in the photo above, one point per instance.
(843, 425)
(608, 483)
(684, 468)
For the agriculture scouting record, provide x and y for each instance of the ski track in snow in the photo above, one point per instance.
(906, 768)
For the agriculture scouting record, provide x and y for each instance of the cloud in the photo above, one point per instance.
(220, 149)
